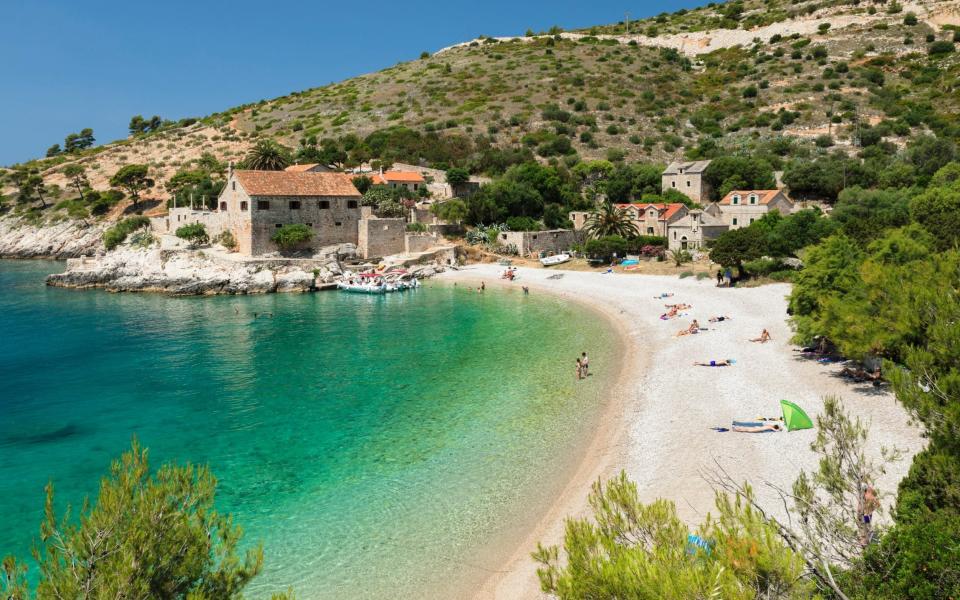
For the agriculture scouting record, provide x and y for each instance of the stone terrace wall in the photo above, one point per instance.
(381, 237)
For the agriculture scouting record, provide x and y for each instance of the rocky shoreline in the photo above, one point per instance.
(66, 239)
(197, 272)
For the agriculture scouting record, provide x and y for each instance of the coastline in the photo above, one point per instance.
(656, 422)
(604, 450)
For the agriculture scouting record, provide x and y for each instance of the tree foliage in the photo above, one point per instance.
(149, 535)
(267, 155)
(635, 550)
(291, 237)
(134, 179)
(610, 220)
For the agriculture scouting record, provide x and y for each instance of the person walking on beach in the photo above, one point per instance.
(719, 277)
(585, 364)
(579, 369)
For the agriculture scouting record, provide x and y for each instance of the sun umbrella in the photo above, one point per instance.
(794, 417)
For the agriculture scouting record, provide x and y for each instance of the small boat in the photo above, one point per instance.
(557, 259)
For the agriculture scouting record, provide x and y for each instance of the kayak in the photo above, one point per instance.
(549, 261)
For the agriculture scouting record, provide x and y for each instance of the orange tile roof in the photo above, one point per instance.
(285, 183)
(666, 210)
(300, 168)
(399, 177)
(763, 196)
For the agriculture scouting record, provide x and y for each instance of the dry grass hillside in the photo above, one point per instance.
(650, 90)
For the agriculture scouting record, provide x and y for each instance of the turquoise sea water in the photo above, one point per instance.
(379, 447)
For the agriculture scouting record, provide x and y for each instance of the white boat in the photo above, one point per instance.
(379, 288)
(556, 259)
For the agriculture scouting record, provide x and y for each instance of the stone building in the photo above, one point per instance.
(687, 178)
(739, 208)
(254, 204)
(694, 231)
(535, 242)
(408, 179)
(653, 219)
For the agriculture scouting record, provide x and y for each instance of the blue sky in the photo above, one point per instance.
(70, 64)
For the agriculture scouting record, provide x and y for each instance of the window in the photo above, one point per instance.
(649, 230)
(736, 199)
(534, 237)
(279, 225)
(233, 185)
(675, 233)
(751, 219)
(263, 205)
(223, 206)
(651, 213)
(294, 205)
(416, 186)
(753, 199)
(688, 183)
(351, 203)
(243, 205)
(324, 204)
(734, 220)
(338, 223)
(673, 183)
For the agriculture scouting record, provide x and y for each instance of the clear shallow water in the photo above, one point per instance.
(378, 446)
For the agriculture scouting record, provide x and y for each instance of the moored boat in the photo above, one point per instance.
(556, 259)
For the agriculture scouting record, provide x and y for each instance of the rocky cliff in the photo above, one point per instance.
(66, 239)
(196, 272)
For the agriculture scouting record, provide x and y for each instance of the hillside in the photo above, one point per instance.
(650, 90)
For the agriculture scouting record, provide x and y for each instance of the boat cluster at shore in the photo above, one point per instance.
(379, 283)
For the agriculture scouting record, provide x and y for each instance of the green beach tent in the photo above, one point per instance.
(794, 417)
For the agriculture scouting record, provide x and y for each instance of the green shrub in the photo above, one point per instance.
(763, 266)
(292, 236)
(940, 48)
(686, 274)
(227, 240)
(117, 234)
(416, 227)
(195, 233)
(606, 247)
(523, 224)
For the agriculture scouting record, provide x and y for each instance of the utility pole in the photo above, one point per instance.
(626, 21)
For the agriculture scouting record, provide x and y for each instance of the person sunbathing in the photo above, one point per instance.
(716, 363)
(764, 337)
(662, 296)
(680, 306)
(670, 313)
(860, 374)
(694, 328)
(757, 428)
(720, 319)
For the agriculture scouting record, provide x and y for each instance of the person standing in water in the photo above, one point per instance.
(579, 370)
(483, 286)
(585, 364)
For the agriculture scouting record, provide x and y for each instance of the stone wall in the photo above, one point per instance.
(420, 242)
(333, 220)
(381, 237)
(535, 242)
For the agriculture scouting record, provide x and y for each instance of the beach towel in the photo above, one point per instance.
(748, 424)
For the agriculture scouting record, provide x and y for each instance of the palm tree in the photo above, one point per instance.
(267, 155)
(610, 220)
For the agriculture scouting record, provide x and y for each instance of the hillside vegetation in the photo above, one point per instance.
(721, 79)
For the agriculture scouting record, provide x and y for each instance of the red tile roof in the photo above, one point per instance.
(763, 196)
(396, 177)
(667, 211)
(285, 183)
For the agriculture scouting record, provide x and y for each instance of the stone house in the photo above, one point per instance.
(694, 231)
(653, 219)
(739, 208)
(687, 178)
(579, 219)
(254, 204)
(535, 242)
(408, 179)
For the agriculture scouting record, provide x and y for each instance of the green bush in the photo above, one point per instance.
(763, 266)
(195, 233)
(227, 240)
(635, 244)
(686, 274)
(117, 234)
(416, 227)
(940, 48)
(523, 224)
(293, 236)
(605, 248)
